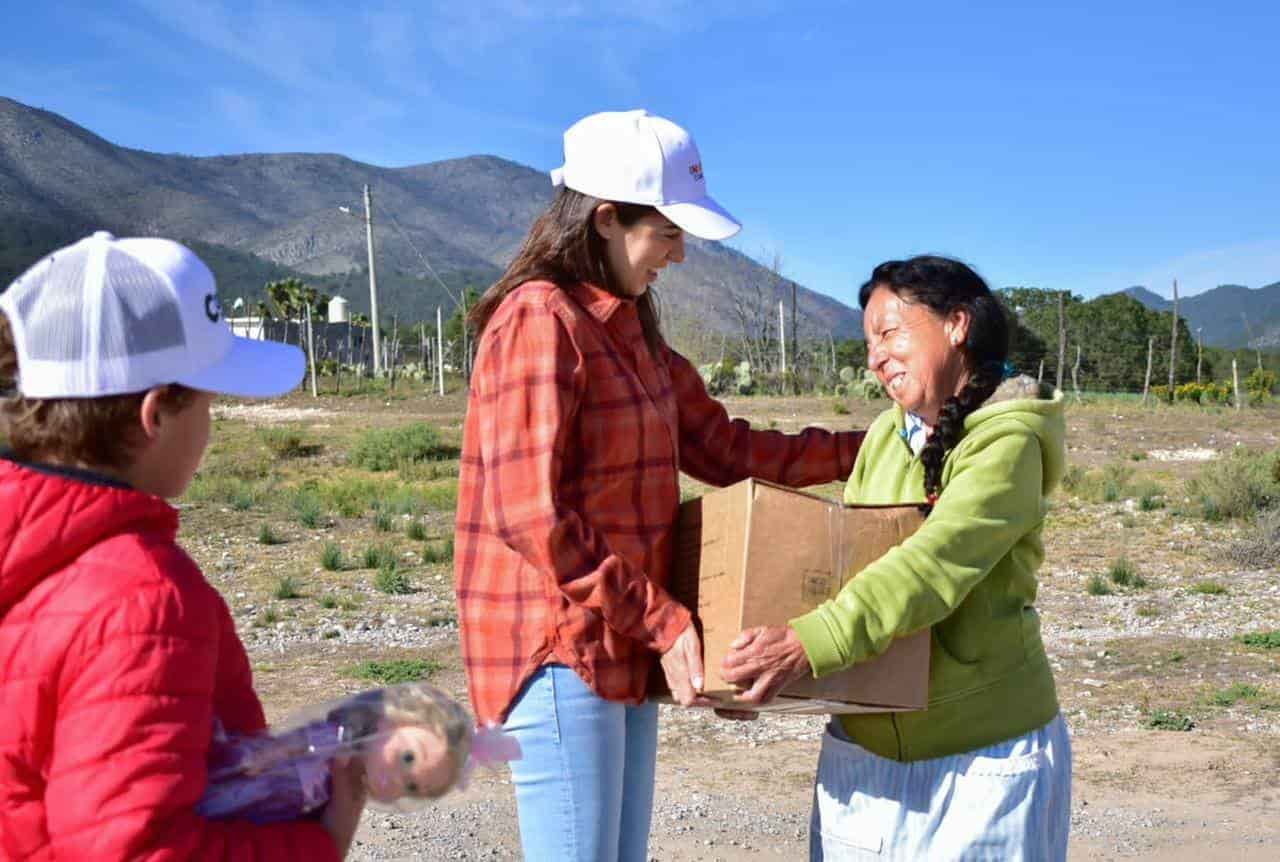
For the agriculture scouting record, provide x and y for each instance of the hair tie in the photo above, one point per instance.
(1008, 370)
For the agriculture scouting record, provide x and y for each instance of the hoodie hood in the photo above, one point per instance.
(1039, 407)
(47, 520)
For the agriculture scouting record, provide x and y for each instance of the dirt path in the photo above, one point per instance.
(1137, 796)
(1172, 643)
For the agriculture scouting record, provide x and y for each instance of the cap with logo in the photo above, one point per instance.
(109, 316)
(635, 157)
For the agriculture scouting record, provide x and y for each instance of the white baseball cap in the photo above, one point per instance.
(635, 157)
(109, 316)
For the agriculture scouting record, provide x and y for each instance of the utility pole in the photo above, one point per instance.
(1146, 383)
(373, 283)
(1173, 341)
(782, 339)
(1062, 336)
(440, 346)
(1199, 351)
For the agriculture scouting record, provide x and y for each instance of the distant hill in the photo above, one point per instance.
(1232, 315)
(259, 217)
(1151, 300)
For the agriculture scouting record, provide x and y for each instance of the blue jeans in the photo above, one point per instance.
(584, 785)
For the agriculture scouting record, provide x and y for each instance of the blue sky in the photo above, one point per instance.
(1086, 148)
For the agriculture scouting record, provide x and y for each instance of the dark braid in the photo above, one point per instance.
(946, 434)
(944, 285)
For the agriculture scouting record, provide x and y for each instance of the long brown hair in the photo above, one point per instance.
(563, 247)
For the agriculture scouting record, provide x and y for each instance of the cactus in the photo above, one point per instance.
(869, 387)
(744, 384)
(848, 375)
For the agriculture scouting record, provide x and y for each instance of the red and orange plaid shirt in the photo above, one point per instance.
(569, 491)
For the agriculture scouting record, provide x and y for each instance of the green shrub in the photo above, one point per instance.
(1147, 611)
(1115, 481)
(347, 498)
(445, 553)
(1241, 485)
(393, 671)
(416, 530)
(385, 448)
(286, 588)
(391, 580)
(1260, 384)
(1208, 588)
(441, 496)
(1261, 640)
(1232, 694)
(243, 498)
(718, 377)
(382, 522)
(267, 536)
(286, 442)
(328, 601)
(1261, 548)
(1097, 586)
(331, 557)
(1167, 719)
(208, 487)
(1124, 574)
(375, 555)
(839, 407)
(308, 508)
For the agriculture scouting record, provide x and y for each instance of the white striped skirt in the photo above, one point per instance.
(1008, 802)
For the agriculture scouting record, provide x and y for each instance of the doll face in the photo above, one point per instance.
(408, 761)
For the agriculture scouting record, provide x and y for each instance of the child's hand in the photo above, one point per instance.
(342, 814)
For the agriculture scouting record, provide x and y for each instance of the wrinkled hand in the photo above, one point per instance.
(682, 665)
(764, 660)
(342, 814)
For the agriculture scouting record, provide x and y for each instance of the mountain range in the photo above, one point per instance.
(255, 218)
(455, 223)
(1231, 315)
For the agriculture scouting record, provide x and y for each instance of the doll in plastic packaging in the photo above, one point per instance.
(415, 742)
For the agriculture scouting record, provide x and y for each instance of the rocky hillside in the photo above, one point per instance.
(265, 216)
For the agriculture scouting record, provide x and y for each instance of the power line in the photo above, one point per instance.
(421, 256)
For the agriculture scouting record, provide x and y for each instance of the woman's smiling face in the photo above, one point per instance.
(639, 251)
(917, 355)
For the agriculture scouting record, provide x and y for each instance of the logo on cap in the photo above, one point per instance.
(695, 170)
(212, 308)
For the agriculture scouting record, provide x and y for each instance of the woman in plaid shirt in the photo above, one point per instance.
(579, 421)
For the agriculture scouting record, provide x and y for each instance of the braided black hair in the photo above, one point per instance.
(943, 286)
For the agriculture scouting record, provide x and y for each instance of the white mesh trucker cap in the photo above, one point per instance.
(635, 157)
(109, 316)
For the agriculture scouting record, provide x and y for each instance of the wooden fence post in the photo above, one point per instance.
(1146, 383)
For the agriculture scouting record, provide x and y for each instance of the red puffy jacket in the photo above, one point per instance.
(115, 654)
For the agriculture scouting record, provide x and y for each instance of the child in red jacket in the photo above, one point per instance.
(116, 655)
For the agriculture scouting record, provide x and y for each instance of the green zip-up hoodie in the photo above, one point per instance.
(969, 572)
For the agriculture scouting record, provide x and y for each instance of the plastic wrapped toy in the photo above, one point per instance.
(415, 743)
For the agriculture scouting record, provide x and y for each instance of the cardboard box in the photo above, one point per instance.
(758, 554)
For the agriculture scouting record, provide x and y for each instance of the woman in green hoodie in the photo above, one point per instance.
(985, 771)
